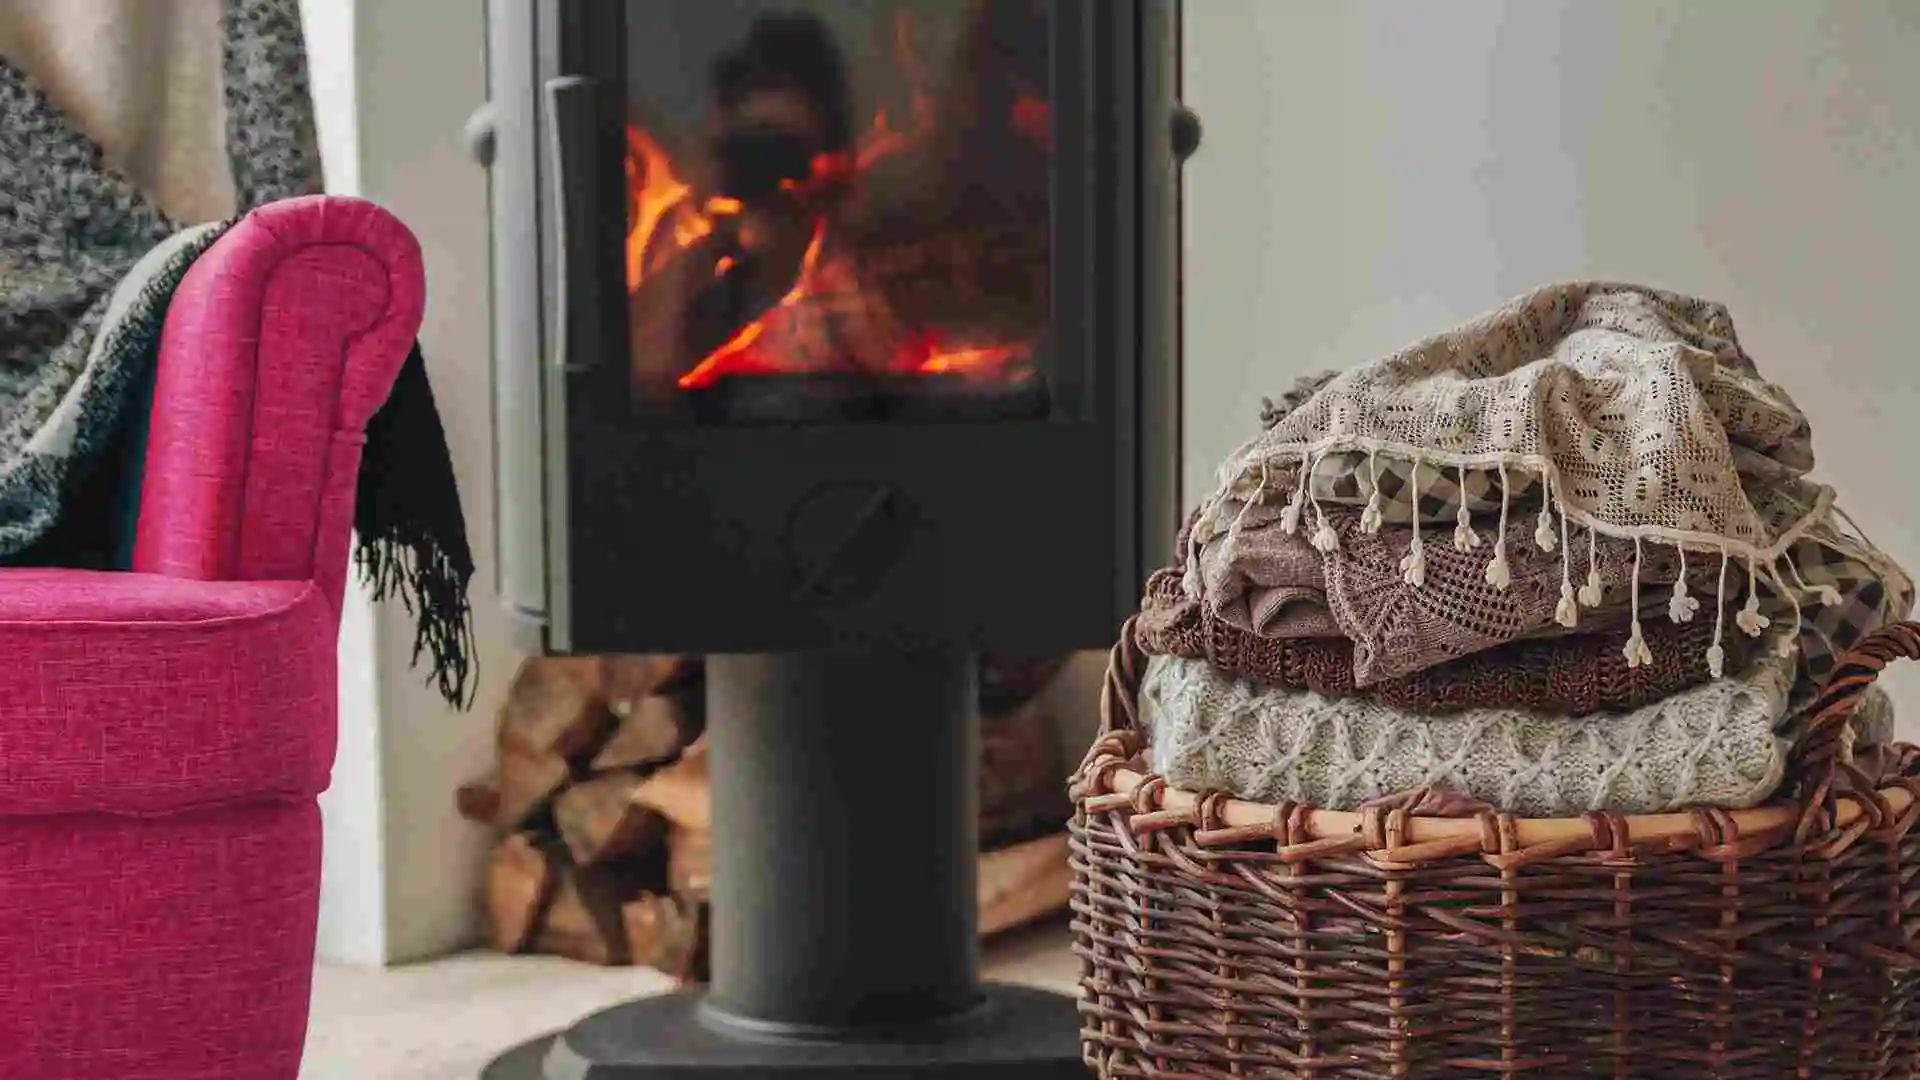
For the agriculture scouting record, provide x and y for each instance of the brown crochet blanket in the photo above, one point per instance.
(1253, 575)
(1572, 675)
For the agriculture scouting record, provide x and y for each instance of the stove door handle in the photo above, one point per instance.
(572, 113)
(572, 129)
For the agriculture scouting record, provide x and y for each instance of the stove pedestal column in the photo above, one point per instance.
(844, 915)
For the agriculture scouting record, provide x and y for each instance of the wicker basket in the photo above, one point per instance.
(1223, 938)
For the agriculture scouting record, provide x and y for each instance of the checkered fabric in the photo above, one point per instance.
(1348, 477)
(1870, 592)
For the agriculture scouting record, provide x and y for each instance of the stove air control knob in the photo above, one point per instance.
(843, 537)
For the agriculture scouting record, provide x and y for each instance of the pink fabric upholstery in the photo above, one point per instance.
(137, 694)
(280, 343)
(176, 948)
(164, 733)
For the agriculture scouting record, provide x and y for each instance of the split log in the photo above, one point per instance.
(519, 886)
(1006, 683)
(625, 678)
(652, 730)
(1024, 882)
(528, 781)
(554, 707)
(1022, 786)
(599, 819)
(1017, 884)
(584, 921)
(668, 934)
(479, 801)
(589, 671)
(680, 792)
(690, 862)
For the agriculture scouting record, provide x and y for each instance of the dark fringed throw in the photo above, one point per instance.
(410, 536)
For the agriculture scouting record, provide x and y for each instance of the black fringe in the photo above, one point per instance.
(411, 538)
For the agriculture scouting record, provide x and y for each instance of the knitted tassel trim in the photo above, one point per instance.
(1413, 568)
(1464, 538)
(1499, 574)
(1371, 518)
(1682, 607)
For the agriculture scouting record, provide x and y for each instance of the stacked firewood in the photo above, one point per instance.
(600, 797)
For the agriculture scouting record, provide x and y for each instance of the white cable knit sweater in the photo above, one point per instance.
(1714, 745)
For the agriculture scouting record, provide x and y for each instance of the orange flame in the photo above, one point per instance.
(657, 198)
(711, 368)
(666, 217)
(986, 360)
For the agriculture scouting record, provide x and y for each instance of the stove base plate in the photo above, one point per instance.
(1016, 1034)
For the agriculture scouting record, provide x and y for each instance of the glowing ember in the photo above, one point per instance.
(991, 358)
(1033, 118)
(736, 347)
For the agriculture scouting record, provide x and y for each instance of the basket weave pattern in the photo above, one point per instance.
(1221, 938)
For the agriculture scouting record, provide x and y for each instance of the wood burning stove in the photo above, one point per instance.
(835, 339)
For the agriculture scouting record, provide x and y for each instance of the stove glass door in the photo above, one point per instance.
(841, 211)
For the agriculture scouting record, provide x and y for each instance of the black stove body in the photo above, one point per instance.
(837, 340)
(1027, 203)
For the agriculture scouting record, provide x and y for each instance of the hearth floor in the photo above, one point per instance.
(444, 1019)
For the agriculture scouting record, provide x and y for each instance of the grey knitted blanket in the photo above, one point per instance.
(77, 350)
(71, 230)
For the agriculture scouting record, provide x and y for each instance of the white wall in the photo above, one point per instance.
(352, 875)
(1375, 170)
(393, 83)
(421, 73)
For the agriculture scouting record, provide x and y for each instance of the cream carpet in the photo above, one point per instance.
(445, 1019)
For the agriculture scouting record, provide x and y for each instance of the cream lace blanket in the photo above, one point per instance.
(1714, 745)
(1636, 408)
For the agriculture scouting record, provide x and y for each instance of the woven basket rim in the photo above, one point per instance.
(1236, 815)
(1114, 777)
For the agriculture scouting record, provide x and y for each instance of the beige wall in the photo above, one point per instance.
(1375, 170)
(352, 925)
(394, 82)
(421, 74)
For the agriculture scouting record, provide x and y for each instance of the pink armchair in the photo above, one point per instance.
(164, 733)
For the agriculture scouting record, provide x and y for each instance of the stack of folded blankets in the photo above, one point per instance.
(1563, 558)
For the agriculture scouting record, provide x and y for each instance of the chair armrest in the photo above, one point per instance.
(139, 694)
(282, 339)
